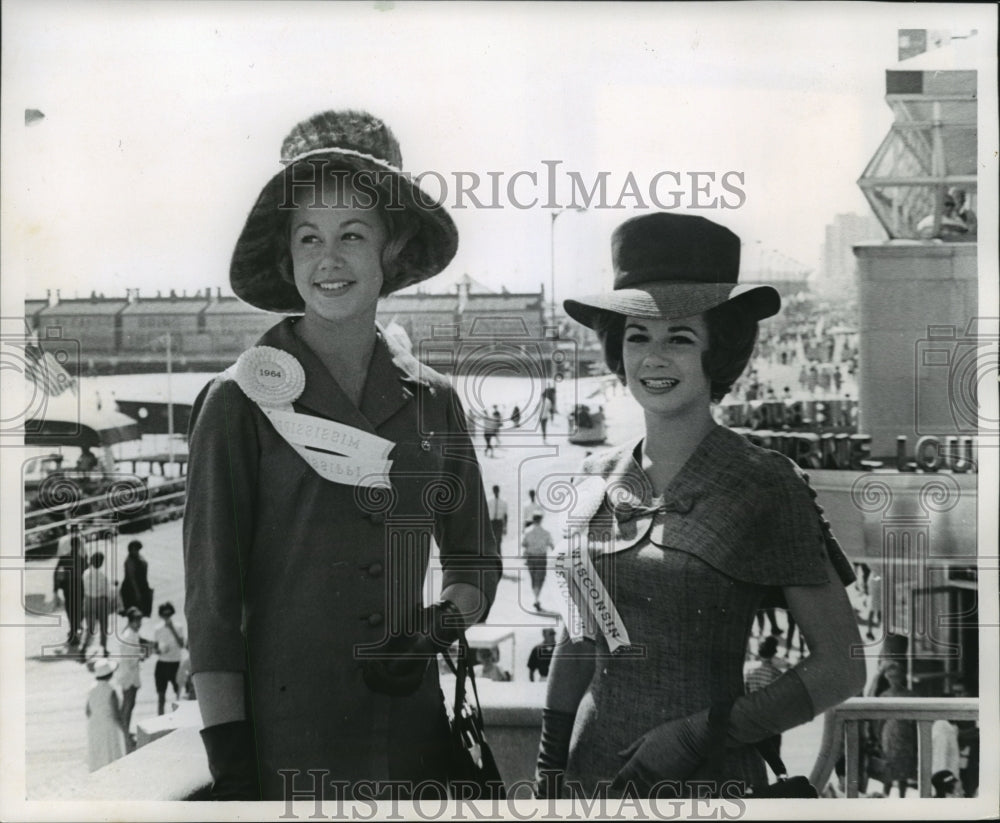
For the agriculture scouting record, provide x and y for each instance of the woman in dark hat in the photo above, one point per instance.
(685, 535)
(322, 465)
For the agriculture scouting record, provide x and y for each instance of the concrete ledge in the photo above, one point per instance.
(172, 767)
(916, 248)
(185, 716)
(172, 764)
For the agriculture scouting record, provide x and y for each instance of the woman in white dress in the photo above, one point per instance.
(105, 737)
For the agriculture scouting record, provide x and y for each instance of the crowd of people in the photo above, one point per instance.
(97, 609)
(803, 358)
(503, 417)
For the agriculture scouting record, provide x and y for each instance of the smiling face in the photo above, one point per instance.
(663, 365)
(336, 256)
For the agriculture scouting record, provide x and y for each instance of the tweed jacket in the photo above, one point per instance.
(747, 511)
(293, 579)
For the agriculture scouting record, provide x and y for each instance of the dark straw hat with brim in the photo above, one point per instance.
(673, 265)
(354, 141)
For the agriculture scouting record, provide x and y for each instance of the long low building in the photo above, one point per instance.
(117, 332)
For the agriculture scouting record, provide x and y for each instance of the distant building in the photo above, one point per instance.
(93, 322)
(838, 263)
(210, 331)
(231, 326)
(419, 314)
(146, 322)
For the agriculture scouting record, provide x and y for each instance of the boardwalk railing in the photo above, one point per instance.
(173, 767)
(121, 501)
(843, 725)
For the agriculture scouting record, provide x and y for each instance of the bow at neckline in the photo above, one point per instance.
(626, 510)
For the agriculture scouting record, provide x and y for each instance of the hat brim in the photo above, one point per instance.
(110, 665)
(669, 301)
(253, 272)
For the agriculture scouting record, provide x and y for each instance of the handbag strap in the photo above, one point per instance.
(718, 728)
(463, 671)
(768, 749)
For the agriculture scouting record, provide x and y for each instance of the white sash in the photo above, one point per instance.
(273, 379)
(589, 606)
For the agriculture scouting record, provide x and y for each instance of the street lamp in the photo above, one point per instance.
(552, 258)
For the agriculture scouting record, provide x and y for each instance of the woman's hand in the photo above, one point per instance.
(400, 668)
(671, 751)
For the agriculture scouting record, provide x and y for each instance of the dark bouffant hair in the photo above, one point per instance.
(373, 191)
(732, 335)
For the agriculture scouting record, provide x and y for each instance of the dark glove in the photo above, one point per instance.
(232, 760)
(399, 667)
(553, 752)
(671, 751)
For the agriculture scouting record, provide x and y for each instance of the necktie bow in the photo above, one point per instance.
(625, 510)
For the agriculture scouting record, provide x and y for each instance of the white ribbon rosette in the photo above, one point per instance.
(274, 379)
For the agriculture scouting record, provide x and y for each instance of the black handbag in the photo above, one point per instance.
(470, 759)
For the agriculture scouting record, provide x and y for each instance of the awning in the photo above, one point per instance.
(66, 420)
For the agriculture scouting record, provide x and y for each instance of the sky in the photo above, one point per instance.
(163, 121)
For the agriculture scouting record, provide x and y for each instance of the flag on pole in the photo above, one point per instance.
(45, 371)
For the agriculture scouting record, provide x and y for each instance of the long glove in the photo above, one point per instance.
(400, 667)
(674, 750)
(671, 751)
(232, 761)
(553, 752)
(776, 708)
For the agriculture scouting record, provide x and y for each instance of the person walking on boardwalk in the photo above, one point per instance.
(491, 434)
(135, 590)
(169, 639)
(530, 509)
(540, 657)
(97, 594)
(67, 584)
(497, 510)
(536, 545)
(133, 651)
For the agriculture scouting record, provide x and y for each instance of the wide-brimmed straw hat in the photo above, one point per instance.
(357, 142)
(673, 265)
(104, 668)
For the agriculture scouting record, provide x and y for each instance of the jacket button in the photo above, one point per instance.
(425, 445)
(375, 570)
(375, 619)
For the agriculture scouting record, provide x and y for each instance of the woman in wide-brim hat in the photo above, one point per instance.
(322, 465)
(687, 533)
(105, 735)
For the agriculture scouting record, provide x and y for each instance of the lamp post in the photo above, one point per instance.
(552, 256)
